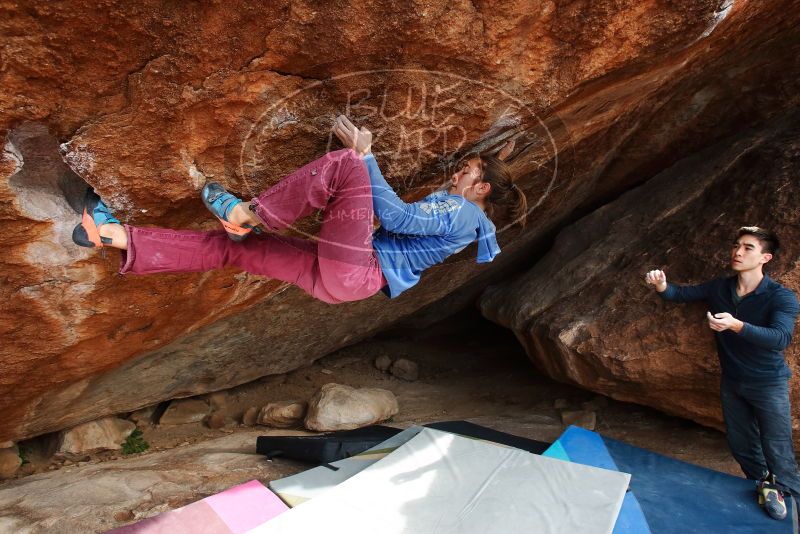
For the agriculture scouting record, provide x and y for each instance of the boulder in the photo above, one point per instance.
(104, 434)
(183, 411)
(284, 414)
(584, 312)
(10, 461)
(601, 99)
(340, 407)
(405, 369)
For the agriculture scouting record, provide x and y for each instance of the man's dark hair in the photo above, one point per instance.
(768, 240)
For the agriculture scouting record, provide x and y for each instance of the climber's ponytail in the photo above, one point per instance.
(506, 204)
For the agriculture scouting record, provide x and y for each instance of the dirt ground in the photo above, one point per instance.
(469, 369)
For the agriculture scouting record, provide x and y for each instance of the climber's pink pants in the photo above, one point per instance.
(338, 265)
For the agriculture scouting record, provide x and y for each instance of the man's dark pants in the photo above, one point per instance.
(759, 425)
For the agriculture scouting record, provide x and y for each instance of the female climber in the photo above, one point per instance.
(347, 261)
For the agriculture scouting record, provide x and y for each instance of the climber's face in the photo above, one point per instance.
(466, 181)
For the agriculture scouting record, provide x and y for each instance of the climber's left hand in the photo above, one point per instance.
(359, 139)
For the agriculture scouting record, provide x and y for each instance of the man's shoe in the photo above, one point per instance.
(95, 214)
(771, 498)
(759, 482)
(220, 203)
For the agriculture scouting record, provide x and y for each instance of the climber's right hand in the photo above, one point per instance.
(359, 139)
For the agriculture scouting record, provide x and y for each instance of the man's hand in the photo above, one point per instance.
(658, 279)
(351, 136)
(724, 321)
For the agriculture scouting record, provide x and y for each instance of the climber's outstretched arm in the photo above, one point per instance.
(396, 215)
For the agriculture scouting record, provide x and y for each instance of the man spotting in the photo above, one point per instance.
(753, 319)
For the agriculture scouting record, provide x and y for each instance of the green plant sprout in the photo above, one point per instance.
(135, 443)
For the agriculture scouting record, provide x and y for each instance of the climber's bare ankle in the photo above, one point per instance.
(117, 234)
(241, 215)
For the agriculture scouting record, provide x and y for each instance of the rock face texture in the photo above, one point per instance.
(146, 101)
(585, 314)
(97, 497)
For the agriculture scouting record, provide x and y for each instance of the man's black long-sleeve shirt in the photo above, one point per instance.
(756, 353)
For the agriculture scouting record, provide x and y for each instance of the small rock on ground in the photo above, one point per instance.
(340, 407)
(383, 363)
(581, 418)
(284, 414)
(144, 416)
(215, 421)
(183, 411)
(9, 462)
(250, 416)
(104, 434)
(405, 369)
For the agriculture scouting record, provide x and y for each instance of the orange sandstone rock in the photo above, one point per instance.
(145, 101)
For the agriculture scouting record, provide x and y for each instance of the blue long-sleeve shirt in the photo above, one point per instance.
(415, 236)
(769, 313)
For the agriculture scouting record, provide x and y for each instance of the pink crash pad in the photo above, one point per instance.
(234, 511)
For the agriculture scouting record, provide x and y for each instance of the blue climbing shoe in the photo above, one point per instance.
(220, 203)
(95, 214)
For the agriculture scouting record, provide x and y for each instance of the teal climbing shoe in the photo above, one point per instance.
(95, 214)
(220, 203)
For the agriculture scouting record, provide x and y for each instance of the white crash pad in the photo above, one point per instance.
(299, 488)
(442, 483)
